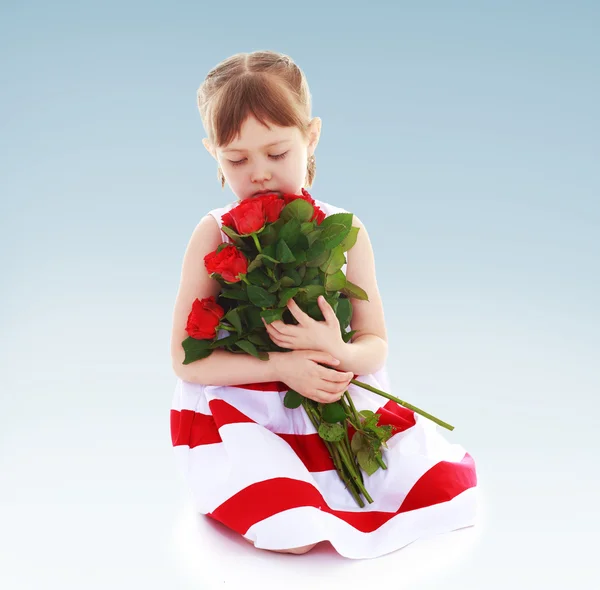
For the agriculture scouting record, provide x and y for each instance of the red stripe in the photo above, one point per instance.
(249, 505)
(194, 429)
(457, 477)
(311, 450)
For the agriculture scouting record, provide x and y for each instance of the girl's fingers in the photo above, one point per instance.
(271, 327)
(326, 397)
(335, 376)
(295, 310)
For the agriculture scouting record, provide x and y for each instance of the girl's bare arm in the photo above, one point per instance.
(367, 351)
(222, 367)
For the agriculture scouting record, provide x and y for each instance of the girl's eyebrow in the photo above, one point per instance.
(264, 146)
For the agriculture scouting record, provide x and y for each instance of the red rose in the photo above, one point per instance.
(319, 215)
(204, 318)
(272, 205)
(246, 218)
(229, 263)
(227, 220)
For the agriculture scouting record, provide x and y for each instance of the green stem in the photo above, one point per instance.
(350, 486)
(352, 469)
(402, 403)
(381, 462)
(351, 452)
(351, 404)
(256, 242)
(335, 457)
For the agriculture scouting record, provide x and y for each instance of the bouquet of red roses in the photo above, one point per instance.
(284, 246)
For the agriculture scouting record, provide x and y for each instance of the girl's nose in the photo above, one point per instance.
(261, 174)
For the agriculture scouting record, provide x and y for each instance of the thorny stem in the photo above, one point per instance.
(402, 403)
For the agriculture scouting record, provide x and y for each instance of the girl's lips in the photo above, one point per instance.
(266, 192)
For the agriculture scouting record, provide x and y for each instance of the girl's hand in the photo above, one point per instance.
(300, 370)
(309, 334)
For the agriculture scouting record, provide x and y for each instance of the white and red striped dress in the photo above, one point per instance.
(262, 470)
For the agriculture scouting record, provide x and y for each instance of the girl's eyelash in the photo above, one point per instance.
(275, 157)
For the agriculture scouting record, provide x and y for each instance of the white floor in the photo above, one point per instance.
(90, 499)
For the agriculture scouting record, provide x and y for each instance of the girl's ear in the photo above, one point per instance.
(209, 147)
(314, 133)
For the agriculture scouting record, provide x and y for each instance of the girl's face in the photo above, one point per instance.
(265, 159)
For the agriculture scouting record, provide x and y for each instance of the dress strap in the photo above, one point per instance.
(217, 213)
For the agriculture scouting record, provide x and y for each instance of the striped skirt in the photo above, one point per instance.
(263, 471)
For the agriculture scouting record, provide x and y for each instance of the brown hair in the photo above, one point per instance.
(265, 84)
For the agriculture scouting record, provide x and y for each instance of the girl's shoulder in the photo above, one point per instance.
(218, 212)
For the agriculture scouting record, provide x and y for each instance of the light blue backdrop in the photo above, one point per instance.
(465, 135)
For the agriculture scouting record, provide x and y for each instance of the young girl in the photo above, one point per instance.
(256, 466)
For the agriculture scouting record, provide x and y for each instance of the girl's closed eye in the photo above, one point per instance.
(274, 157)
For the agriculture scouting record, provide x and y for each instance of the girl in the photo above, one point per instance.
(254, 465)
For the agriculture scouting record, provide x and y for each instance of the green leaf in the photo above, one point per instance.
(333, 235)
(283, 252)
(358, 442)
(233, 317)
(253, 318)
(291, 278)
(290, 232)
(318, 260)
(235, 237)
(335, 261)
(316, 250)
(299, 208)
(268, 235)
(367, 461)
(344, 312)
(256, 263)
(347, 336)
(292, 399)
(333, 412)
(261, 297)
(313, 236)
(259, 339)
(268, 256)
(239, 295)
(248, 347)
(314, 311)
(312, 292)
(286, 295)
(331, 432)
(335, 282)
(349, 241)
(271, 315)
(227, 341)
(307, 227)
(354, 291)
(310, 274)
(195, 349)
(259, 277)
(274, 287)
(302, 242)
(299, 255)
(341, 218)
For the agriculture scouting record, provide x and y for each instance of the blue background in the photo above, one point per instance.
(466, 137)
